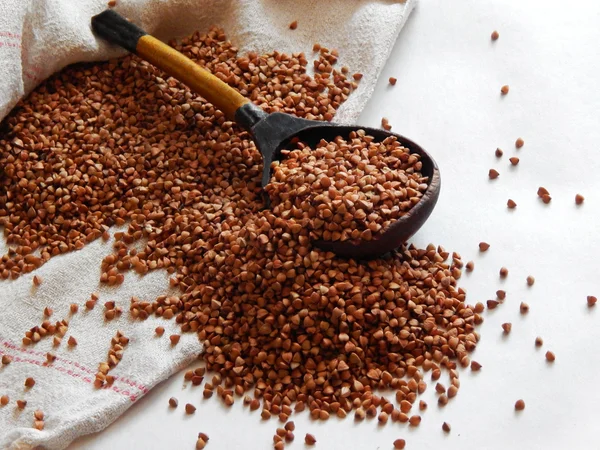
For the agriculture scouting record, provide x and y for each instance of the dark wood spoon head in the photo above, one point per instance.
(273, 132)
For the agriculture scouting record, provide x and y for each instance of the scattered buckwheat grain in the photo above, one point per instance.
(542, 191)
(519, 405)
(385, 124)
(492, 304)
(309, 439)
(399, 444)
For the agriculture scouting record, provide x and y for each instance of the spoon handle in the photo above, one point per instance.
(114, 28)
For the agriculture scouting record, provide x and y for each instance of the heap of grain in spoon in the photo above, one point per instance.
(346, 189)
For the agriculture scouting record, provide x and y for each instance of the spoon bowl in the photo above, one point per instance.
(273, 132)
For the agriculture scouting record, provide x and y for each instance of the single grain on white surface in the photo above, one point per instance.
(447, 100)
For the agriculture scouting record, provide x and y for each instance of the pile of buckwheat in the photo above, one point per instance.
(296, 327)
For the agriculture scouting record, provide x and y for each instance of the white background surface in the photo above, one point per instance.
(448, 99)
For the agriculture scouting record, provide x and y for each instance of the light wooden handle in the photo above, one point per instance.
(188, 72)
(116, 29)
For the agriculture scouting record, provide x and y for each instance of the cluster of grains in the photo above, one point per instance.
(346, 189)
(97, 145)
(47, 329)
(111, 311)
(196, 376)
(543, 193)
(202, 441)
(89, 304)
(286, 434)
(115, 354)
(38, 419)
(324, 333)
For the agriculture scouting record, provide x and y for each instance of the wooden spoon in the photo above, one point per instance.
(272, 132)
